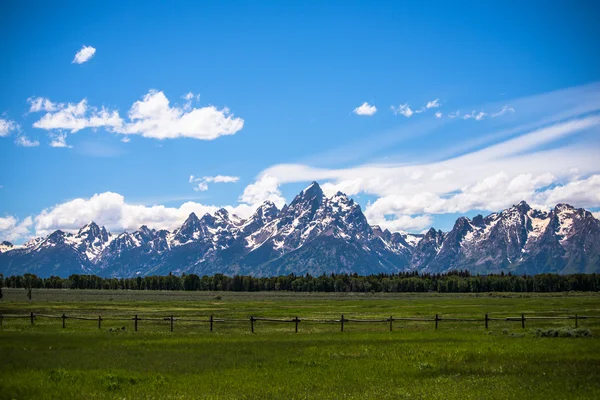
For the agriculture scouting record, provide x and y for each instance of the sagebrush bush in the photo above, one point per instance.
(563, 332)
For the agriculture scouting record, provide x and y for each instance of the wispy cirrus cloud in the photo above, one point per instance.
(201, 183)
(491, 178)
(433, 104)
(84, 55)
(505, 109)
(24, 141)
(403, 109)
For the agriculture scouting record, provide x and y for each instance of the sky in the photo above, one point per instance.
(132, 113)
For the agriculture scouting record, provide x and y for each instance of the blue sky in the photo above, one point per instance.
(280, 85)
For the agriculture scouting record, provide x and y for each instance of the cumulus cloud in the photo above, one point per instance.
(265, 188)
(38, 104)
(433, 104)
(110, 209)
(77, 116)
(59, 140)
(26, 142)
(152, 117)
(403, 109)
(12, 229)
(84, 55)
(7, 127)
(438, 114)
(365, 109)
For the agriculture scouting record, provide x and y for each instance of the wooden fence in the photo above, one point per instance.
(296, 321)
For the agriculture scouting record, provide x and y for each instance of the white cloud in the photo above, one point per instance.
(222, 179)
(596, 215)
(42, 104)
(26, 142)
(12, 229)
(504, 110)
(265, 188)
(581, 192)
(433, 104)
(365, 109)
(477, 116)
(403, 109)
(438, 114)
(151, 117)
(201, 187)
(110, 209)
(126, 140)
(59, 140)
(7, 127)
(75, 117)
(201, 184)
(401, 222)
(454, 114)
(84, 55)
(491, 178)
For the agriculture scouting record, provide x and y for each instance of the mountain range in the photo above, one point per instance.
(317, 234)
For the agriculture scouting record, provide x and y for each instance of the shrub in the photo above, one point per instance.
(563, 332)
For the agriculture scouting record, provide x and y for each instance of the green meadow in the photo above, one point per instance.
(413, 361)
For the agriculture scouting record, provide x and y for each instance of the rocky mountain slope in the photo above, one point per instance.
(317, 234)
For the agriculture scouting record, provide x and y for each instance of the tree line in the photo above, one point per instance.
(452, 282)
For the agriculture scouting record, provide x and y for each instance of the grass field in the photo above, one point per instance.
(458, 360)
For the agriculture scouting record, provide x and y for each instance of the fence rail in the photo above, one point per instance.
(295, 320)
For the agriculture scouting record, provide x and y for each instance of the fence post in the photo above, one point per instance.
(391, 320)
(64, 317)
(436, 321)
(296, 320)
(211, 323)
(523, 321)
(576, 322)
(486, 321)
(252, 324)
(136, 320)
(31, 316)
(171, 322)
(99, 322)
(342, 321)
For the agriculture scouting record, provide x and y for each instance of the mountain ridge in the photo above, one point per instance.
(318, 234)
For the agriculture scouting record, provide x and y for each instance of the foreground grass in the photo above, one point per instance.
(459, 360)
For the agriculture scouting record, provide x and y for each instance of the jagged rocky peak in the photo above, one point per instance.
(267, 211)
(90, 232)
(145, 234)
(191, 224)
(56, 236)
(6, 246)
(478, 221)
(312, 194)
(222, 214)
(523, 207)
